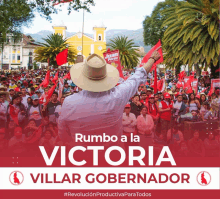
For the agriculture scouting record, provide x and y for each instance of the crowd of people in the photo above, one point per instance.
(28, 120)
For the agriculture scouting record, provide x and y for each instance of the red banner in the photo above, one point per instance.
(214, 83)
(113, 58)
(195, 85)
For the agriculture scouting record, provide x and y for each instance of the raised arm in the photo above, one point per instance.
(154, 57)
(128, 88)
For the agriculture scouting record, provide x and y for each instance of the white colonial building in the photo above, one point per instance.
(18, 55)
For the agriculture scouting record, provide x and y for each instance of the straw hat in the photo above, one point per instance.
(171, 92)
(5, 93)
(95, 74)
(3, 87)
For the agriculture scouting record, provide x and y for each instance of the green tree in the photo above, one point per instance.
(192, 34)
(152, 24)
(53, 45)
(128, 55)
(16, 13)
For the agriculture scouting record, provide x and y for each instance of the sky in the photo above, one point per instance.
(114, 14)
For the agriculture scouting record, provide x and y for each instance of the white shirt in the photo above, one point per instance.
(129, 126)
(3, 110)
(24, 100)
(98, 112)
(58, 110)
(177, 106)
(35, 113)
(69, 81)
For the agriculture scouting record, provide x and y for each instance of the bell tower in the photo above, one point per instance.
(60, 28)
(99, 33)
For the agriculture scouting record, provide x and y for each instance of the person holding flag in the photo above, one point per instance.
(100, 101)
(17, 111)
(165, 109)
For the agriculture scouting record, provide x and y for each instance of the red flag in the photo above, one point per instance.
(67, 76)
(188, 80)
(55, 77)
(193, 73)
(202, 91)
(195, 85)
(210, 91)
(36, 135)
(179, 84)
(189, 90)
(126, 77)
(113, 58)
(155, 80)
(205, 73)
(161, 85)
(43, 98)
(13, 113)
(49, 94)
(181, 76)
(148, 55)
(62, 57)
(46, 81)
(217, 70)
(62, 1)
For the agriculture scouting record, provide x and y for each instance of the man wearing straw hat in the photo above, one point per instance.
(98, 108)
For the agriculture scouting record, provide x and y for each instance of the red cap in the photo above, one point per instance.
(17, 89)
(178, 93)
(25, 83)
(198, 96)
(127, 106)
(166, 95)
(151, 96)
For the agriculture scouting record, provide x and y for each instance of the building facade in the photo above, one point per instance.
(17, 55)
(83, 43)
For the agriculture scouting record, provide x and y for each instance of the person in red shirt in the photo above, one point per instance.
(149, 92)
(153, 109)
(144, 99)
(165, 107)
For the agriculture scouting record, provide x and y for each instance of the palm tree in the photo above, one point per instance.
(128, 55)
(53, 45)
(192, 34)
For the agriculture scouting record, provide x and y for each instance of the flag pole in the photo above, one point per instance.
(82, 33)
(155, 80)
